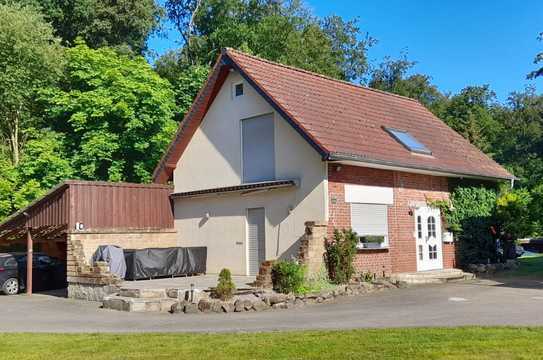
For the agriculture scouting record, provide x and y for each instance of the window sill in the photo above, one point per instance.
(381, 249)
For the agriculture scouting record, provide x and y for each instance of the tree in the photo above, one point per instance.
(538, 59)
(391, 76)
(114, 23)
(520, 142)
(30, 58)
(115, 113)
(275, 30)
(471, 113)
(43, 165)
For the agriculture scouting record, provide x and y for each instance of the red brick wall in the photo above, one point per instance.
(409, 190)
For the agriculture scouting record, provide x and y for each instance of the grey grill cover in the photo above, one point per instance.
(114, 256)
(159, 262)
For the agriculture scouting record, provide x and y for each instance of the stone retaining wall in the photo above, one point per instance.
(260, 300)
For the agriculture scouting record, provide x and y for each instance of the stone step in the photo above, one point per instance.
(432, 277)
(143, 293)
(131, 304)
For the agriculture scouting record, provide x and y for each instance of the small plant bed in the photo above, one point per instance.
(262, 300)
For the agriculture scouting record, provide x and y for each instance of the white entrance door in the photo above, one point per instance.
(428, 235)
(256, 240)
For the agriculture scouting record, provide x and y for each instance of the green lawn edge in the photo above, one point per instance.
(396, 343)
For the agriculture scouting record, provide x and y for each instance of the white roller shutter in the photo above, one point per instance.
(256, 239)
(369, 219)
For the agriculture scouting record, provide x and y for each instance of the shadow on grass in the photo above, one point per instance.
(529, 275)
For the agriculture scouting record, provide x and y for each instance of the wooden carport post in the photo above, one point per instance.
(29, 256)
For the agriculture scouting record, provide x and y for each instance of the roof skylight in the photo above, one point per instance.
(409, 141)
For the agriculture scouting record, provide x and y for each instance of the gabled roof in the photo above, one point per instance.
(342, 121)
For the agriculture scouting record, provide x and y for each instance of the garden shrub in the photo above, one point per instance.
(513, 211)
(471, 216)
(288, 277)
(225, 288)
(340, 255)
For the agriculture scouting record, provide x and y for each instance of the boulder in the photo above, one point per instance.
(259, 305)
(228, 307)
(177, 307)
(239, 306)
(248, 305)
(204, 305)
(281, 305)
(216, 306)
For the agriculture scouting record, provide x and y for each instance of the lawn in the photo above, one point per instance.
(415, 343)
(530, 266)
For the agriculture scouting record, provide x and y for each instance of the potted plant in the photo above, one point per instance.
(372, 241)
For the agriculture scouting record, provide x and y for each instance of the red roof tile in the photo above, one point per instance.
(345, 121)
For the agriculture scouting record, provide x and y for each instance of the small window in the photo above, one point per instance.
(370, 222)
(238, 89)
(409, 141)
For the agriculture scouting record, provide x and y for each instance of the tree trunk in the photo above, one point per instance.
(14, 143)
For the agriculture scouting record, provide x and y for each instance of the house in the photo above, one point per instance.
(267, 147)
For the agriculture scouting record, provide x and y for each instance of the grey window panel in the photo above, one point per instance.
(369, 219)
(258, 149)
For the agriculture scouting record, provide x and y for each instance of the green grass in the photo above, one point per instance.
(530, 266)
(415, 343)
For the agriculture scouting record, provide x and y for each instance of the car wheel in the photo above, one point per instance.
(11, 286)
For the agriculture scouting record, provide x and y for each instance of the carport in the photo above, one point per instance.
(82, 215)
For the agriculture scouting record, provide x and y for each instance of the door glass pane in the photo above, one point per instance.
(419, 227)
(420, 252)
(431, 226)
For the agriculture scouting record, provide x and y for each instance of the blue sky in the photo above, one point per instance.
(456, 42)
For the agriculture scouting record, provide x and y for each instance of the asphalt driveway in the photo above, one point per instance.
(473, 303)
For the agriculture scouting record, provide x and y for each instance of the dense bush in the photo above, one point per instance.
(340, 255)
(225, 288)
(471, 217)
(288, 277)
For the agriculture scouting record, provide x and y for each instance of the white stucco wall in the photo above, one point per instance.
(213, 159)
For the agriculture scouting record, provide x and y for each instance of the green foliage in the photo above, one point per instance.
(520, 143)
(378, 239)
(30, 57)
(471, 216)
(288, 277)
(317, 282)
(115, 113)
(340, 254)
(225, 287)
(124, 24)
(42, 166)
(538, 59)
(470, 113)
(283, 32)
(514, 215)
(367, 276)
(391, 76)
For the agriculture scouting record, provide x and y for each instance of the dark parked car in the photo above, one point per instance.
(48, 273)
